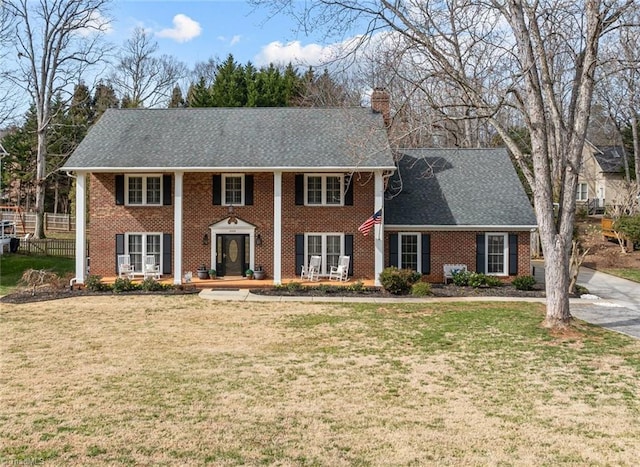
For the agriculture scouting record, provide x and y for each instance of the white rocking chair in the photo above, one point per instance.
(341, 271)
(312, 271)
(125, 268)
(151, 269)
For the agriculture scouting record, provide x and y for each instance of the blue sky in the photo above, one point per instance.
(194, 31)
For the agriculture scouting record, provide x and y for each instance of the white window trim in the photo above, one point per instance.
(505, 261)
(323, 177)
(224, 189)
(144, 245)
(419, 240)
(579, 191)
(144, 189)
(324, 235)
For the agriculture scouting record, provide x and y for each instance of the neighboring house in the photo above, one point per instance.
(458, 206)
(602, 177)
(246, 187)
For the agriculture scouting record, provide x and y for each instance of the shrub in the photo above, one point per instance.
(357, 286)
(524, 282)
(421, 289)
(475, 279)
(398, 281)
(293, 286)
(94, 284)
(124, 284)
(629, 226)
(461, 278)
(152, 285)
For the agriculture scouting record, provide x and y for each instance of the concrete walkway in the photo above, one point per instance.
(615, 303)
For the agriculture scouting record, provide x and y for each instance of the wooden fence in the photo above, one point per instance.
(52, 222)
(48, 247)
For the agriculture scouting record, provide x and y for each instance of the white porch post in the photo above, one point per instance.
(379, 229)
(81, 227)
(177, 229)
(277, 227)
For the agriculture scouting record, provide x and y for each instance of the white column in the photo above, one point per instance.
(81, 227)
(177, 228)
(277, 227)
(379, 229)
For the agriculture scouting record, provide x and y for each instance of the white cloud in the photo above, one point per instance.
(235, 39)
(96, 23)
(294, 52)
(184, 29)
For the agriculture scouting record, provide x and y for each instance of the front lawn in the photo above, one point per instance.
(12, 266)
(159, 380)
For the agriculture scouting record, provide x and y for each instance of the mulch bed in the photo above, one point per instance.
(438, 290)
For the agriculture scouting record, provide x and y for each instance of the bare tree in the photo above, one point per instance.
(56, 40)
(535, 58)
(145, 78)
(8, 97)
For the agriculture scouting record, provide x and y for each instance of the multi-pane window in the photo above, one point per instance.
(582, 193)
(144, 189)
(409, 251)
(324, 190)
(233, 190)
(496, 254)
(327, 246)
(139, 245)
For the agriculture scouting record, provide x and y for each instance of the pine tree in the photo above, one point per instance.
(176, 98)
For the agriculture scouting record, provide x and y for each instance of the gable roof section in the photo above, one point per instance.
(234, 138)
(610, 158)
(456, 187)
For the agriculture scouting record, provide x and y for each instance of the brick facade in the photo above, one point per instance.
(108, 219)
(459, 247)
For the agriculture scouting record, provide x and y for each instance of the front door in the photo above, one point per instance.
(233, 254)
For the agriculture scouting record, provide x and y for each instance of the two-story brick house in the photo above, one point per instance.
(238, 188)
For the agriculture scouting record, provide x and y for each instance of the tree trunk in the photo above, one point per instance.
(40, 183)
(557, 285)
(636, 146)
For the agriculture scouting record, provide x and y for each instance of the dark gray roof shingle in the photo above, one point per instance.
(610, 158)
(228, 138)
(456, 187)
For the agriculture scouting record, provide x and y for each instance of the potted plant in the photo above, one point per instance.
(212, 273)
(249, 273)
(203, 272)
(259, 273)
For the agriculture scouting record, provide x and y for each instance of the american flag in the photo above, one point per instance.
(365, 228)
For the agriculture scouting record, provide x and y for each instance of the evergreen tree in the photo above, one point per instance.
(229, 88)
(104, 98)
(199, 95)
(176, 98)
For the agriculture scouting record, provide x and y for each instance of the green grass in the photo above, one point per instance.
(631, 274)
(12, 266)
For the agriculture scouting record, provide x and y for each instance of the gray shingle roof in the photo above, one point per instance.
(456, 187)
(259, 138)
(610, 158)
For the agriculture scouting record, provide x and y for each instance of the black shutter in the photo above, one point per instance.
(166, 254)
(348, 194)
(119, 248)
(299, 189)
(166, 190)
(513, 254)
(480, 247)
(393, 250)
(248, 190)
(348, 251)
(120, 190)
(299, 253)
(426, 253)
(217, 189)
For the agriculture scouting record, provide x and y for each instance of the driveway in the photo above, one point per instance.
(618, 305)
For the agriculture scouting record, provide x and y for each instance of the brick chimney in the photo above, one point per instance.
(381, 104)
